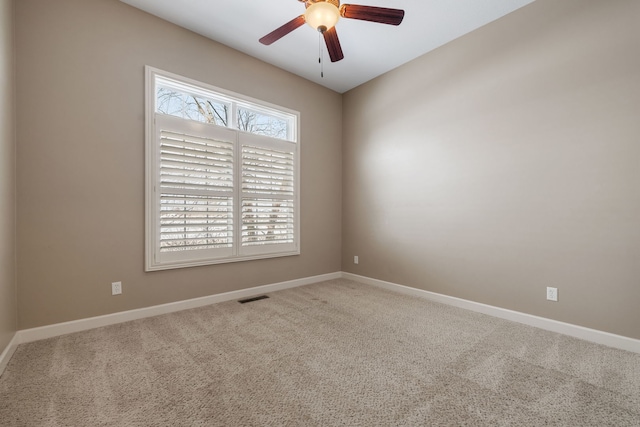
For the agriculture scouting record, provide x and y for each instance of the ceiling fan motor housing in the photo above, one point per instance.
(308, 3)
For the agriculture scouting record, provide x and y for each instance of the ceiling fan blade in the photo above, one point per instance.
(381, 15)
(333, 44)
(280, 32)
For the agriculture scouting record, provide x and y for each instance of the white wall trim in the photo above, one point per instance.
(593, 335)
(43, 332)
(8, 352)
(50, 331)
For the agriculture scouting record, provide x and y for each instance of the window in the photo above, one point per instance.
(222, 175)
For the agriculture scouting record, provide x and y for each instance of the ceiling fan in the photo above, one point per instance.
(323, 15)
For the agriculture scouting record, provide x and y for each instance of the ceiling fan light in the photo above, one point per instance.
(322, 15)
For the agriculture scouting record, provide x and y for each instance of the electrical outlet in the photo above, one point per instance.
(116, 288)
(355, 259)
(552, 294)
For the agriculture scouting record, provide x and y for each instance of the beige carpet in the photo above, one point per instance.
(336, 353)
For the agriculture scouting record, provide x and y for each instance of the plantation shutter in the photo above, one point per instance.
(268, 195)
(195, 194)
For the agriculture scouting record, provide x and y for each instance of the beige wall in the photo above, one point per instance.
(8, 302)
(80, 66)
(502, 163)
(505, 162)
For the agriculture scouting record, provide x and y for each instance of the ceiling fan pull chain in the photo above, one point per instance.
(320, 55)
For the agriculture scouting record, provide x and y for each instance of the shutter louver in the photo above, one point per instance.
(196, 193)
(267, 196)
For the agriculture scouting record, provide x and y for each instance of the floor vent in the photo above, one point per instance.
(244, 301)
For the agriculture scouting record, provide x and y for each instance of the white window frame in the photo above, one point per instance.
(158, 260)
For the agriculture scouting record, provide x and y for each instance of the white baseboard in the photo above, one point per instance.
(593, 335)
(34, 334)
(8, 352)
(43, 332)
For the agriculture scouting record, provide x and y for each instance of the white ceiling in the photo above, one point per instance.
(370, 49)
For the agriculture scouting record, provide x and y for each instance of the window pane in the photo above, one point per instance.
(195, 222)
(192, 107)
(266, 171)
(262, 124)
(268, 188)
(267, 222)
(195, 163)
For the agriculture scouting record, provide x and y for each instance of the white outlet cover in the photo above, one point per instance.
(116, 288)
(552, 294)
